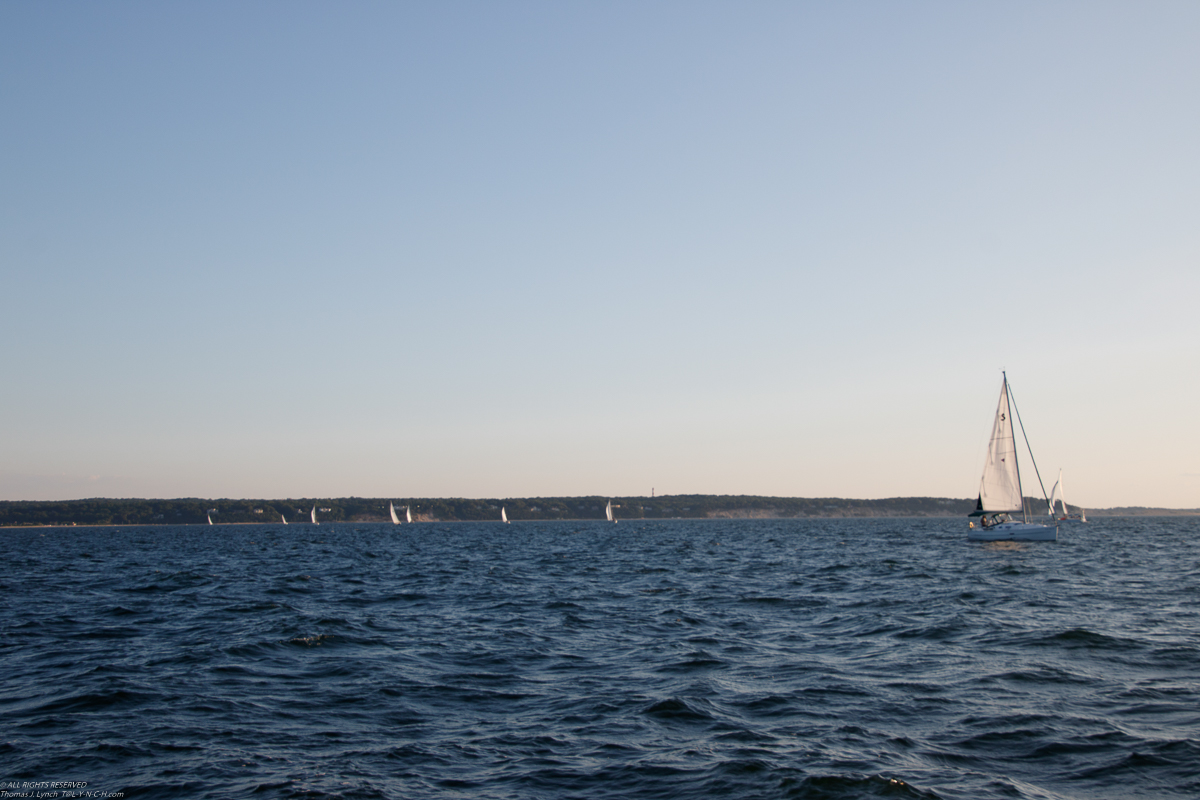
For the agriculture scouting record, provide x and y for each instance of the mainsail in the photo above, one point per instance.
(314, 516)
(503, 516)
(392, 511)
(1000, 486)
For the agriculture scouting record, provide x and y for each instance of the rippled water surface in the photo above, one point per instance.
(682, 659)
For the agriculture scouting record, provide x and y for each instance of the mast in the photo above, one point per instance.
(1016, 461)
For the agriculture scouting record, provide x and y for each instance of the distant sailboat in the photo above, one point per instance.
(392, 511)
(1057, 494)
(282, 517)
(503, 516)
(210, 519)
(408, 514)
(1000, 487)
(608, 512)
(314, 516)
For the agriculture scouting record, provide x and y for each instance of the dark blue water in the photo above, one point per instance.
(684, 659)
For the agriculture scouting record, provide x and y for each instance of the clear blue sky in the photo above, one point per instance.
(517, 249)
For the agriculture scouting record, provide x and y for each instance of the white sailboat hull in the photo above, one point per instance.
(1014, 532)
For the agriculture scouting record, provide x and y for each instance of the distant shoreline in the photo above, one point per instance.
(1150, 514)
(105, 512)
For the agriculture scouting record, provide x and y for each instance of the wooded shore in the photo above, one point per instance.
(183, 511)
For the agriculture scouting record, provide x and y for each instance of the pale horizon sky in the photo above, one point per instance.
(267, 249)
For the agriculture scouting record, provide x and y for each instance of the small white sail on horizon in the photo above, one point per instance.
(408, 514)
(314, 516)
(503, 516)
(1056, 496)
(1058, 493)
(282, 517)
(209, 519)
(608, 512)
(392, 511)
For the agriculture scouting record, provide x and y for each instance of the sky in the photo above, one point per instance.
(480, 249)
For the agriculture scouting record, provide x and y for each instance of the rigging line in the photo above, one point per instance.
(1017, 411)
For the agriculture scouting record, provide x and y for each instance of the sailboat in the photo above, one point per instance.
(608, 512)
(1057, 494)
(314, 516)
(503, 516)
(1000, 493)
(392, 511)
(210, 519)
(282, 517)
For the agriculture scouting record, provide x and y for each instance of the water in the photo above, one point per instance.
(674, 659)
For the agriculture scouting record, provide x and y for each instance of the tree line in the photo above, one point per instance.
(193, 511)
